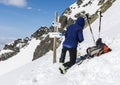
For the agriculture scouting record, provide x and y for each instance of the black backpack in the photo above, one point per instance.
(99, 49)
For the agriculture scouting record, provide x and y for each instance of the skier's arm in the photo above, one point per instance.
(80, 36)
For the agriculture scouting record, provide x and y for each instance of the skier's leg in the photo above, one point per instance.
(73, 55)
(63, 54)
(62, 68)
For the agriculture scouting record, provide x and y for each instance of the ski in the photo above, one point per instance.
(80, 60)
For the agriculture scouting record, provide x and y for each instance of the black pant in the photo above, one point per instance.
(72, 53)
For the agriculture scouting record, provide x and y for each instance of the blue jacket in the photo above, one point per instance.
(74, 34)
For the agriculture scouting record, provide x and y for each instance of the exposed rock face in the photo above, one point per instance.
(79, 2)
(67, 11)
(5, 56)
(101, 2)
(70, 21)
(44, 46)
(14, 47)
(63, 21)
(42, 30)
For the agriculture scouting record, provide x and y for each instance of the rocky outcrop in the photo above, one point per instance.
(70, 21)
(14, 47)
(44, 46)
(42, 30)
(5, 56)
(79, 2)
(63, 21)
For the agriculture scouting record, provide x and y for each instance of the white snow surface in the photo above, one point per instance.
(23, 57)
(5, 51)
(102, 70)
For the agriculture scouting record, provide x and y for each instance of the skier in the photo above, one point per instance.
(73, 35)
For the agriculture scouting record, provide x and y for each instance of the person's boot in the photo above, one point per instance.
(62, 69)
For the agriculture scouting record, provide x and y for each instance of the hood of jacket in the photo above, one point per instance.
(80, 21)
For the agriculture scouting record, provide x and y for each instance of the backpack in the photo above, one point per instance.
(98, 50)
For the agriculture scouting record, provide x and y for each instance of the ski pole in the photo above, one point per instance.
(90, 28)
(100, 14)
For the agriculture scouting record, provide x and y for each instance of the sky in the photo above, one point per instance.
(21, 18)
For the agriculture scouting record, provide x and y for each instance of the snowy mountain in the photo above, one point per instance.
(103, 70)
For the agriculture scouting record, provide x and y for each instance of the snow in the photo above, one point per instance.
(23, 57)
(91, 9)
(5, 51)
(102, 70)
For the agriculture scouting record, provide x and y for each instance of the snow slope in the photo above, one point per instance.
(103, 70)
(23, 57)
